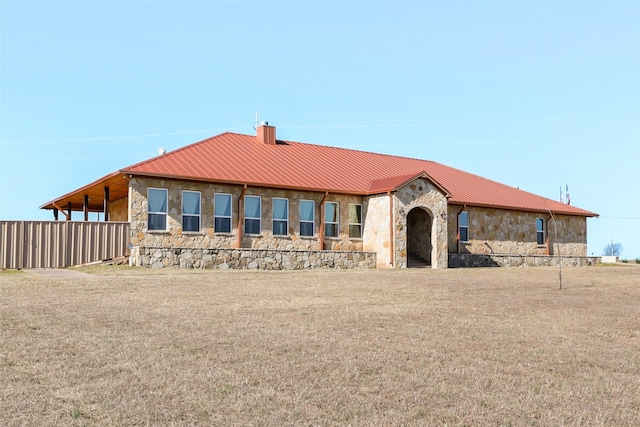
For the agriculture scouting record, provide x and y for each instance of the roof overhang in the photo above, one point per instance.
(571, 212)
(117, 182)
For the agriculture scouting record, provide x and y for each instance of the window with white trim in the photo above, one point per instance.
(280, 216)
(252, 214)
(331, 218)
(463, 226)
(307, 218)
(158, 200)
(222, 213)
(540, 231)
(355, 220)
(190, 211)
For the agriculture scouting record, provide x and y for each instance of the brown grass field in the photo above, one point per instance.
(472, 347)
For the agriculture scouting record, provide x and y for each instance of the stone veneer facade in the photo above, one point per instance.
(208, 238)
(415, 218)
(420, 194)
(505, 232)
(254, 259)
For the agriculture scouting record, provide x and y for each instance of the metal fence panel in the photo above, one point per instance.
(54, 244)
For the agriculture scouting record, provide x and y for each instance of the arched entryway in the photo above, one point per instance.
(419, 246)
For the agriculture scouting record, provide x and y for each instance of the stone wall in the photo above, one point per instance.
(498, 231)
(208, 238)
(421, 194)
(494, 260)
(252, 259)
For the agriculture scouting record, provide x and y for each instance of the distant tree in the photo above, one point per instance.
(613, 249)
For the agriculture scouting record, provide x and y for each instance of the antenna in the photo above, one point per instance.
(161, 150)
(255, 124)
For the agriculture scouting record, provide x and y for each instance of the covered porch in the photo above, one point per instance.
(107, 195)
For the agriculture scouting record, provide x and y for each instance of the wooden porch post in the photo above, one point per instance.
(106, 204)
(85, 207)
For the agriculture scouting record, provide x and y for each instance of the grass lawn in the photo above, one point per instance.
(498, 346)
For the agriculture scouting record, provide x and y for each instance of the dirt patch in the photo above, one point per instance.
(60, 274)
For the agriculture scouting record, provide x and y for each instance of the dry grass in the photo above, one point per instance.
(412, 347)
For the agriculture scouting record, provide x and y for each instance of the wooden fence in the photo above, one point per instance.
(60, 244)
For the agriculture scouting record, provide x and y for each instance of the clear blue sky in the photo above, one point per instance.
(536, 95)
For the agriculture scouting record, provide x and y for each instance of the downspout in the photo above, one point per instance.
(458, 228)
(321, 228)
(548, 236)
(241, 216)
(391, 234)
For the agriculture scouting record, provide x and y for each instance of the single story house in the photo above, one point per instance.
(255, 201)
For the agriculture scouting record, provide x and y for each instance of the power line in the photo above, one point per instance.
(332, 126)
(48, 159)
(619, 217)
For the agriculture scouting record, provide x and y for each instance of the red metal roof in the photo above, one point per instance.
(237, 158)
(243, 159)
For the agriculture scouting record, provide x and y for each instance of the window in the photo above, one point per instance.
(252, 210)
(331, 219)
(463, 226)
(190, 211)
(158, 200)
(307, 217)
(355, 220)
(222, 213)
(280, 216)
(540, 231)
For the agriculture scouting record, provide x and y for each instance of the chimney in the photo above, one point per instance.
(266, 134)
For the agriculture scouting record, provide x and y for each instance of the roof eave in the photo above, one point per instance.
(247, 183)
(582, 212)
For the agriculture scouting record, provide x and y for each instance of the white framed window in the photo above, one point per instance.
(463, 226)
(222, 213)
(252, 214)
(158, 201)
(540, 231)
(190, 210)
(307, 218)
(355, 220)
(280, 216)
(331, 219)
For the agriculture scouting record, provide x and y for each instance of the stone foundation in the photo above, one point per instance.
(251, 259)
(493, 260)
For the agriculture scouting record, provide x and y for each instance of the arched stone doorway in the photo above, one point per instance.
(419, 246)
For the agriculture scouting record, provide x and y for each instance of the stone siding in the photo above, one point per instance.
(421, 194)
(494, 260)
(208, 238)
(505, 232)
(252, 259)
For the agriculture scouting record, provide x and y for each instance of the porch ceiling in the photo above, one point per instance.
(117, 182)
